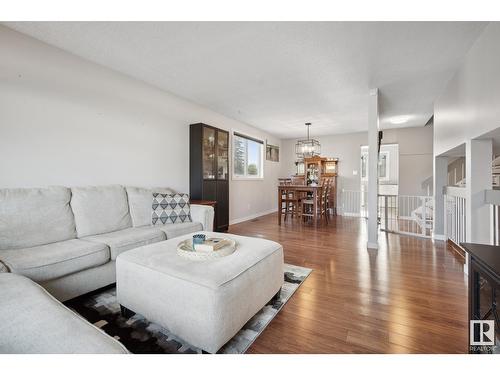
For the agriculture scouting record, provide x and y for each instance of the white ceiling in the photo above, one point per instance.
(279, 75)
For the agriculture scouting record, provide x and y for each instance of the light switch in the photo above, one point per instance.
(354, 172)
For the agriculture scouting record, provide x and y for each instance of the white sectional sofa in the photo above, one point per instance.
(67, 239)
(34, 322)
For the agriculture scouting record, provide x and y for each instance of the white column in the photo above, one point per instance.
(440, 181)
(373, 121)
(478, 157)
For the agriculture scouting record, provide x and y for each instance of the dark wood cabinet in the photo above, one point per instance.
(316, 169)
(484, 291)
(209, 169)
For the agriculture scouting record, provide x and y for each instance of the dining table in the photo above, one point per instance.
(315, 190)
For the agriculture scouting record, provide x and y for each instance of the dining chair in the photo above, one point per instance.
(290, 201)
(308, 205)
(326, 199)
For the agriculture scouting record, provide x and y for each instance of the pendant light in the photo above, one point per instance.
(306, 148)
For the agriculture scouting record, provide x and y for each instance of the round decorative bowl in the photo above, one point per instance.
(185, 249)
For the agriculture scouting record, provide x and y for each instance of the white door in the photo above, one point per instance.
(388, 172)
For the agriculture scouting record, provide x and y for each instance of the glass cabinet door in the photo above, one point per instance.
(312, 173)
(208, 153)
(300, 168)
(331, 167)
(222, 155)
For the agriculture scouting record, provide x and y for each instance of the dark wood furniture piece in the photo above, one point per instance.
(318, 168)
(291, 201)
(484, 290)
(206, 203)
(285, 180)
(320, 211)
(203, 202)
(209, 169)
(315, 192)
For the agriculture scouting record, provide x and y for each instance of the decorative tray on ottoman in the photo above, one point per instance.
(185, 249)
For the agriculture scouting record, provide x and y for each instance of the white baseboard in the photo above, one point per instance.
(263, 213)
(439, 237)
(352, 214)
(246, 218)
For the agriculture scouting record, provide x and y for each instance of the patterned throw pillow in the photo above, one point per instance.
(170, 208)
(3, 267)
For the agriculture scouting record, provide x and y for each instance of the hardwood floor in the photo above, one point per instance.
(409, 296)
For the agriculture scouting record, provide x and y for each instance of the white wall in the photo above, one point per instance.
(456, 170)
(469, 105)
(67, 121)
(468, 109)
(415, 157)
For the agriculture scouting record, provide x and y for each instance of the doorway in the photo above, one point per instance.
(388, 173)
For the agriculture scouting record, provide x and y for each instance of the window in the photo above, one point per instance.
(383, 161)
(364, 165)
(383, 164)
(247, 157)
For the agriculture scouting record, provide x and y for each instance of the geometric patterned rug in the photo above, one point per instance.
(141, 336)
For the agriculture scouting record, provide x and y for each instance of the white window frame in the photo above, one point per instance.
(365, 177)
(364, 152)
(387, 166)
(258, 177)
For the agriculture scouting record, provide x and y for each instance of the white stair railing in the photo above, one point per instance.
(406, 214)
(455, 214)
(492, 197)
(353, 203)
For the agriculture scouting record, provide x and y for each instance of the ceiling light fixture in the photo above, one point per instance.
(306, 148)
(398, 120)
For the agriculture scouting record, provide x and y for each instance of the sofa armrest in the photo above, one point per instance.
(204, 215)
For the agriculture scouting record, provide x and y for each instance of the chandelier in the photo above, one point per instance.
(306, 148)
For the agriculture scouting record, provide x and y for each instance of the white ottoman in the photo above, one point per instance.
(203, 302)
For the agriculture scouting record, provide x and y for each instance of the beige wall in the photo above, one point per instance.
(344, 146)
(67, 121)
(415, 157)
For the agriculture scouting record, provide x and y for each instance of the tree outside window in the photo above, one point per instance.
(247, 157)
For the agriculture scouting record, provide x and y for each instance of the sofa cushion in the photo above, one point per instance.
(99, 209)
(47, 262)
(126, 239)
(32, 321)
(179, 229)
(139, 201)
(32, 217)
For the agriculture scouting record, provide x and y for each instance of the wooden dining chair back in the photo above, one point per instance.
(308, 205)
(325, 199)
(291, 200)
